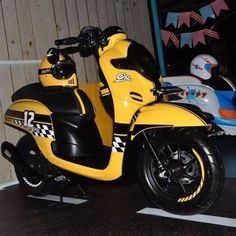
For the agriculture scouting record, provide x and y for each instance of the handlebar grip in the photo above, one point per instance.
(66, 41)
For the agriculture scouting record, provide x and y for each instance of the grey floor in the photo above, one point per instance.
(112, 210)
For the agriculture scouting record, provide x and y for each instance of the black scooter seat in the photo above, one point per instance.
(57, 99)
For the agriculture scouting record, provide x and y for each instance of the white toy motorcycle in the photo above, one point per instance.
(206, 89)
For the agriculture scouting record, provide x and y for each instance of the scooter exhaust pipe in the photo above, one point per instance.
(10, 152)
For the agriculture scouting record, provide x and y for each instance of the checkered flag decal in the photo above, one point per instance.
(19, 122)
(118, 144)
(43, 130)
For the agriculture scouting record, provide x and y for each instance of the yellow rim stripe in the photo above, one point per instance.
(193, 195)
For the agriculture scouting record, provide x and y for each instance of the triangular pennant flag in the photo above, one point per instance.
(172, 18)
(219, 5)
(184, 18)
(186, 38)
(165, 35)
(207, 12)
(198, 37)
(211, 33)
(196, 17)
(174, 39)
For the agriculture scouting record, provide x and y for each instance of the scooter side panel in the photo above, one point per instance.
(31, 117)
(111, 172)
(166, 115)
(16, 117)
(102, 119)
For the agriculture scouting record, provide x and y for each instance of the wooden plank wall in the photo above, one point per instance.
(29, 27)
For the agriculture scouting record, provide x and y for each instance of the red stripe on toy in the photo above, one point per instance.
(230, 114)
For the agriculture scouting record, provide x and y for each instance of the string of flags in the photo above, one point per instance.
(177, 19)
(191, 38)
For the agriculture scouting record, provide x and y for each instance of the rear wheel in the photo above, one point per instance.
(180, 170)
(30, 181)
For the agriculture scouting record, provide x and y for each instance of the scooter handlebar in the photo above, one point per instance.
(69, 50)
(67, 41)
(89, 38)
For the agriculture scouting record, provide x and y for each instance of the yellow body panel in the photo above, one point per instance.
(28, 104)
(112, 41)
(102, 119)
(125, 84)
(111, 172)
(168, 115)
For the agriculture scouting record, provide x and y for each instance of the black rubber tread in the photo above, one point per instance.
(24, 144)
(213, 165)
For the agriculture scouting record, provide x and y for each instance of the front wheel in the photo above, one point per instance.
(180, 170)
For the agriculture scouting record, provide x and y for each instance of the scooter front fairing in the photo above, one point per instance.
(159, 116)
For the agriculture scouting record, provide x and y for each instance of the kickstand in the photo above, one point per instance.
(83, 193)
(63, 186)
(83, 190)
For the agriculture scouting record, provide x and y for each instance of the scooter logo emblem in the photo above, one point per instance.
(122, 77)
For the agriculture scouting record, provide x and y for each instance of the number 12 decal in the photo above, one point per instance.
(28, 118)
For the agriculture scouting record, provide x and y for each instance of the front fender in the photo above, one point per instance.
(164, 115)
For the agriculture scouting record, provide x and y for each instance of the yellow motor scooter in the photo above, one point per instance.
(167, 144)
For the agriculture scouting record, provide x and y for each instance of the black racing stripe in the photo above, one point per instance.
(20, 115)
(15, 114)
(121, 128)
(43, 118)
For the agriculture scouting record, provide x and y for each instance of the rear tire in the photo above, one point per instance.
(31, 182)
(191, 176)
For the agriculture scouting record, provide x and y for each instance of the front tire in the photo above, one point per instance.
(187, 175)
